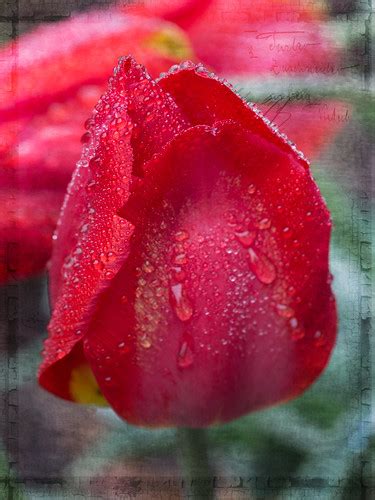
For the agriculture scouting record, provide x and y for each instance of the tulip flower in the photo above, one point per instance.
(53, 77)
(189, 277)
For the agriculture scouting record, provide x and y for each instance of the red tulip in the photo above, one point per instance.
(190, 271)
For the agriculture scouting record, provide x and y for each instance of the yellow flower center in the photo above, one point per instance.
(170, 42)
(84, 387)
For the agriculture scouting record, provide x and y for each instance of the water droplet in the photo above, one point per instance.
(85, 138)
(319, 338)
(148, 267)
(124, 299)
(145, 342)
(293, 323)
(181, 303)
(287, 233)
(251, 189)
(298, 334)
(185, 355)
(181, 235)
(246, 238)
(180, 259)
(264, 224)
(262, 267)
(284, 311)
(179, 274)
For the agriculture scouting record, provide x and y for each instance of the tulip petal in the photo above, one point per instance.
(226, 288)
(87, 257)
(27, 221)
(309, 125)
(205, 99)
(40, 151)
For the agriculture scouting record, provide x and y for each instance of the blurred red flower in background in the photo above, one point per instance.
(52, 77)
(252, 37)
(190, 270)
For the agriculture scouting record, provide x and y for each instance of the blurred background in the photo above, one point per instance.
(319, 446)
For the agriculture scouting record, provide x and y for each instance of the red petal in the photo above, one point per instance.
(186, 12)
(285, 49)
(204, 99)
(93, 240)
(148, 107)
(182, 13)
(87, 257)
(26, 224)
(226, 287)
(40, 152)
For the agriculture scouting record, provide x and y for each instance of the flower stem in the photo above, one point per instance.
(195, 464)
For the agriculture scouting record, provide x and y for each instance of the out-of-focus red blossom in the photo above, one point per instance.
(50, 81)
(190, 271)
(242, 37)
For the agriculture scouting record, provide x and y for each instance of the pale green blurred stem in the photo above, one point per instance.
(196, 468)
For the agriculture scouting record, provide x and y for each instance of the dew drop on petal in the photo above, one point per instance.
(293, 323)
(264, 224)
(185, 355)
(298, 334)
(181, 235)
(148, 267)
(251, 189)
(124, 299)
(246, 238)
(145, 342)
(180, 302)
(319, 338)
(179, 274)
(284, 311)
(262, 267)
(180, 259)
